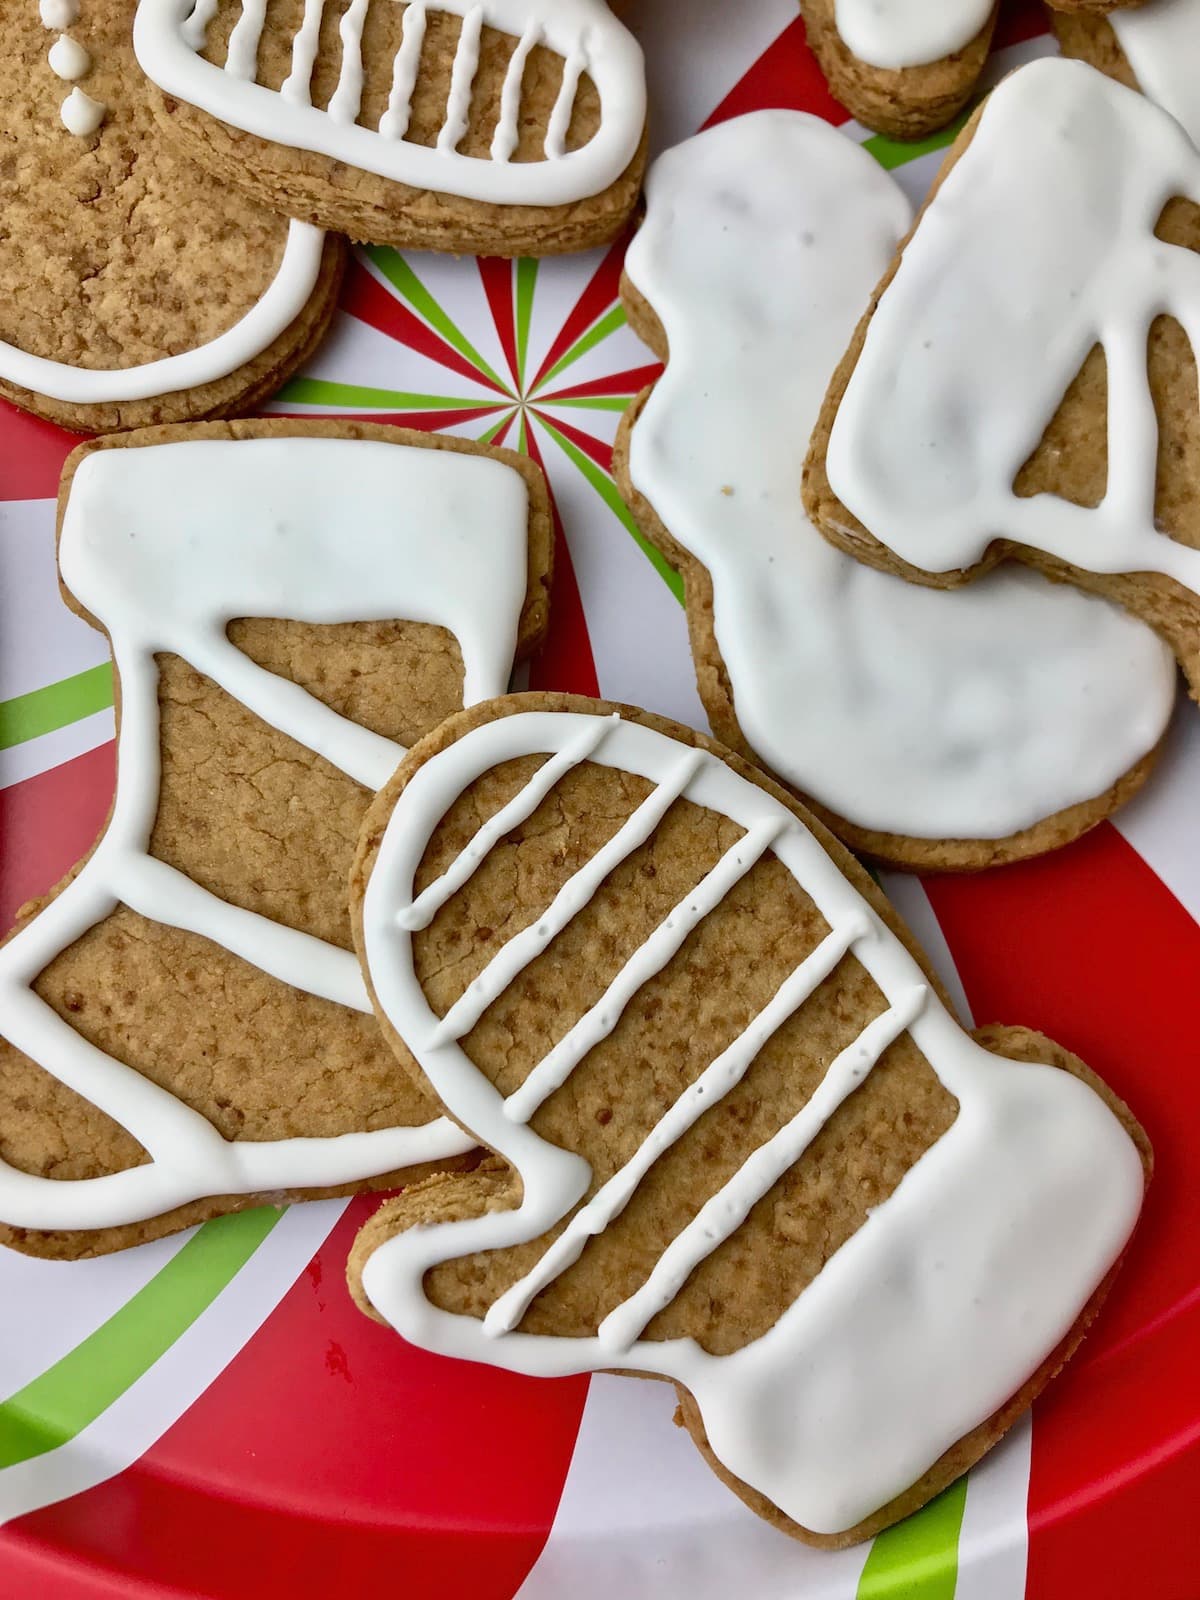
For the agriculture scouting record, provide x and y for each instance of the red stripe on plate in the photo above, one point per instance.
(364, 297)
(597, 298)
(497, 276)
(565, 661)
(32, 459)
(1091, 947)
(54, 819)
(787, 76)
(329, 1458)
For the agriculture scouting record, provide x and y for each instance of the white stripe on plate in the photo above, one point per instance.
(41, 640)
(52, 749)
(993, 1547)
(1160, 822)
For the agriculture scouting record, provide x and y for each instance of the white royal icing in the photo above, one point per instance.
(81, 115)
(68, 59)
(972, 715)
(1039, 245)
(169, 34)
(165, 545)
(909, 33)
(56, 15)
(1161, 42)
(927, 1320)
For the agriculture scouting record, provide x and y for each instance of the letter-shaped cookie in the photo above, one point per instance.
(751, 1150)
(929, 729)
(1024, 383)
(500, 127)
(184, 1029)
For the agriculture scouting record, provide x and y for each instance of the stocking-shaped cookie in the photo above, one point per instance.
(184, 1026)
(503, 127)
(1024, 383)
(930, 729)
(135, 288)
(1155, 47)
(750, 1148)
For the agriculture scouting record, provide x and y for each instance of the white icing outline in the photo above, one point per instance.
(901, 708)
(1041, 244)
(952, 1292)
(894, 34)
(285, 298)
(1161, 42)
(166, 544)
(167, 35)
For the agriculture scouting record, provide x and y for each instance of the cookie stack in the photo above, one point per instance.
(662, 1082)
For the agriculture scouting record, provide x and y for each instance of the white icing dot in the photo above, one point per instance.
(81, 114)
(69, 59)
(58, 14)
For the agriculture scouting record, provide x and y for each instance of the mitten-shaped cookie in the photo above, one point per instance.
(503, 127)
(929, 729)
(1024, 382)
(749, 1148)
(135, 288)
(184, 1029)
(1154, 47)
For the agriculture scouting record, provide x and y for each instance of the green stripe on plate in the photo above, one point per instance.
(918, 1558)
(526, 281)
(84, 1383)
(322, 392)
(893, 153)
(405, 281)
(28, 716)
(599, 331)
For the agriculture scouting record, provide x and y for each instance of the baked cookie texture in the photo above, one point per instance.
(1071, 461)
(904, 102)
(268, 825)
(650, 1042)
(119, 251)
(315, 187)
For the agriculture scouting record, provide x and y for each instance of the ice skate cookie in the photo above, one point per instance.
(497, 127)
(750, 1150)
(1024, 383)
(185, 1030)
(907, 68)
(1155, 48)
(135, 288)
(929, 730)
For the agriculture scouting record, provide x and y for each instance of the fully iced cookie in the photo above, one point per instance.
(1155, 48)
(504, 127)
(927, 729)
(906, 67)
(750, 1150)
(1024, 383)
(183, 1026)
(135, 289)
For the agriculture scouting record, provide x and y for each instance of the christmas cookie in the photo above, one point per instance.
(926, 729)
(184, 1029)
(1024, 383)
(507, 127)
(1155, 48)
(907, 68)
(134, 287)
(749, 1148)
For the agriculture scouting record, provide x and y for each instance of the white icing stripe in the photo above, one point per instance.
(964, 381)
(507, 135)
(297, 86)
(954, 1290)
(394, 122)
(721, 1215)
(567, 903)
(584, 33)
(518, 810)
(347, 97)
(1161, 42)
(909, 33)
(713, 1084)
(165, 545)
(651, 957)
(194, 28)
(956, 716)
(285, 299)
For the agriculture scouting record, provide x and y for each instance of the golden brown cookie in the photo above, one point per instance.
(749, 1148)
(928, 730)
(516, 127)
(185, 1030)
(135, 288)
(1046, 413)
(895, 84)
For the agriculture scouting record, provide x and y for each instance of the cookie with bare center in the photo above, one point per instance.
(749, 1148)
(135, 288)
(1041, 405)
(503, 127)
(184, 1029)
